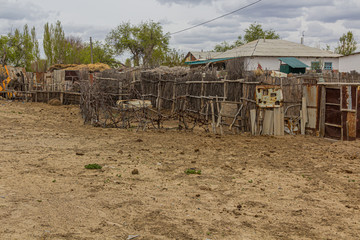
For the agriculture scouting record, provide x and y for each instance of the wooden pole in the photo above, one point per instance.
(158, 100)
(202, 92)
(91, 51)
(173, 98)
(213, 124)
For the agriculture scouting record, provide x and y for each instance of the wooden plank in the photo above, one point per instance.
(253, 121)
(268, 123)
(213, 124)
(279, 121)
(304, 115)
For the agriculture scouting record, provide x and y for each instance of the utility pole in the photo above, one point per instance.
(91, 48)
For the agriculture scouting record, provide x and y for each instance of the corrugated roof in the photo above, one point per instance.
(276, 48)
(207, 61)
(293, 62)
(204, 55)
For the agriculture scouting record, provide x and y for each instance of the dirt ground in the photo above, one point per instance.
(249, 188)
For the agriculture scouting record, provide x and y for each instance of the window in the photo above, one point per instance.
(328, 66)
(315, 65)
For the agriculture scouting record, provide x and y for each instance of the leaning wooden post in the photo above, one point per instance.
(225, 89)
(202, 92)
(174, 97)
(158, 100)
(213, 124)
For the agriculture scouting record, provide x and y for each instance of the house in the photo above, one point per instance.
(266, 53)
(350, 63)
(198, 56)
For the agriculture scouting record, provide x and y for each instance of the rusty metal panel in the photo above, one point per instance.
(358, 113)
(348, 97)
(351, 125)
(268, 96)
(353, 95)
(333, 114)
(333, 132)
(333, 95)
(312, 118)
(311, 94)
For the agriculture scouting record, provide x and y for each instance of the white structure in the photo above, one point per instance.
(350, 63)
(266, 52)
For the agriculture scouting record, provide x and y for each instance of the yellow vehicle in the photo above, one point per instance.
(4, 82)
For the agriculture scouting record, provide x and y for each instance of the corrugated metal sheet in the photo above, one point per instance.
(207, 61)
(293, 62)
(276, 48)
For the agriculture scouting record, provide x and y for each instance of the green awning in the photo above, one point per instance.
(293, 62)
(208, 61)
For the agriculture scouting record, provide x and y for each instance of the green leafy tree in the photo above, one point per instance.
(128, 62)
(22, 48)
(347, 44)
(255, 32)
(4, 40)
(224, 46)
(145, 41)
(170, 58)
(101, 54)
(48, 43)
(54, 43)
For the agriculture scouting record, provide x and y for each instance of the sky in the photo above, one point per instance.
(321, 21)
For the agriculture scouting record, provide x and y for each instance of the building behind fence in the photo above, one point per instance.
(236, 101)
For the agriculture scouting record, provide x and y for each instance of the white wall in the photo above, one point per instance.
(335, 61)
(273, 63)
(350, 63)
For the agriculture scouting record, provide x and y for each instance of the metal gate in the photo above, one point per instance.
(342, 112)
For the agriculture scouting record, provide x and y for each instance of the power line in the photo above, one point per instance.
(227, 14)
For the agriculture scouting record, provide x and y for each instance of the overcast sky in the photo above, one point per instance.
(322, 21)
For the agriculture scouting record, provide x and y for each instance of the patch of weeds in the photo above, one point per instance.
(351, 180)
(39, 200)
(118, 175)
(19, 112)
(107, 180)
(251, 181)
(192, 171)
(53, 180)
(93, 166)
(208, 233)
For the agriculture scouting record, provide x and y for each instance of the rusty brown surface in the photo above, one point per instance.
(333, 95)
(269, 96)
(351, 125)
(332, 132)
(348, 97)
(358, 114)
(333, 114)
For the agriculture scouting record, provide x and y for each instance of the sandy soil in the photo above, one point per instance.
(249, 187)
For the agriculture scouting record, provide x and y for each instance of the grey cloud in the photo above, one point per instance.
(186, 2)
(317, 30)
(19, 11)
(334, 13)
(352, 23)
(86, 31)
(273, 8)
